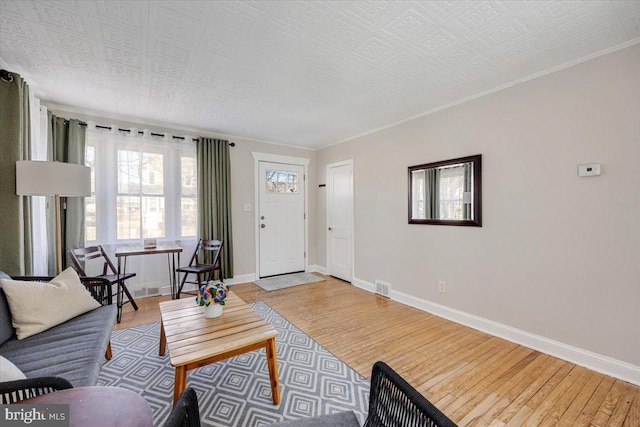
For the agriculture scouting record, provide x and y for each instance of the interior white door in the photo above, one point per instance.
(281, 218)
(340, 220)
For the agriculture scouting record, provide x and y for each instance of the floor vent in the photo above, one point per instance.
(382, 288)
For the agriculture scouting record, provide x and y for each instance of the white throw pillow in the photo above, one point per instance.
(38, 306)
(9, 371)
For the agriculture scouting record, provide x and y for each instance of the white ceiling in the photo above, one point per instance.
(308, 74)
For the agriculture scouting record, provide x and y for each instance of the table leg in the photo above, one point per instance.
(273, 370)
(173, 281)
(180, 382)
(118, 289)
(163, 341)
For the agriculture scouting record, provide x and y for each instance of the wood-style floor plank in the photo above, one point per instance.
(475, 378)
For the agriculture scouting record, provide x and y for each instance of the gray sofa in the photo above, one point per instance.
(74, 350)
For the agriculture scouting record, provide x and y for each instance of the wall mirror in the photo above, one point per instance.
(447, 192)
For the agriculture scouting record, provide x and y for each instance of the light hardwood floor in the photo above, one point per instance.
(474, 378)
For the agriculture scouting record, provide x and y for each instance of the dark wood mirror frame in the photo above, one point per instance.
(476, 192)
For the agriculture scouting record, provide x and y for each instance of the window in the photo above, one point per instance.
(188, 201)
(142, 187)
(90, 202)
(282, 182)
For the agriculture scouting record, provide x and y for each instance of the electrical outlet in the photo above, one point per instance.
(442, 286)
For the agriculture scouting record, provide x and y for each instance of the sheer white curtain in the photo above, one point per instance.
(39, 203)
(143, 186)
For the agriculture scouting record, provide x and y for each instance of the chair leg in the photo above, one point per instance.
(184, 279)
(108, 354)
(119, 301)
(131, 300)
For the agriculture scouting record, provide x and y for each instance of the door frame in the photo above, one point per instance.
(348, 162)
(287, 160)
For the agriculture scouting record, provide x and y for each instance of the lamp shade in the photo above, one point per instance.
(39, 178)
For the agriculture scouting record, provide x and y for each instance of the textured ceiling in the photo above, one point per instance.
(309, 74)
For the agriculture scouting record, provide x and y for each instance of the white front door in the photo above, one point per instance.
(281, 218)
(340, 220)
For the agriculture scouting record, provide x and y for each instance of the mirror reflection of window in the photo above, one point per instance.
(453, 183)
(418, 195)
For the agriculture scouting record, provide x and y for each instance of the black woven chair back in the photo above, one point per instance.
(185, 412)
(393, 402)
(15, 391)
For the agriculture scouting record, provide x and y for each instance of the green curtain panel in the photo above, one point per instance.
(66, 143)
(214, 196)
(15, 144)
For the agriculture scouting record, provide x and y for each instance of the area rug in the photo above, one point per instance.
(287, 281)
(236, 392)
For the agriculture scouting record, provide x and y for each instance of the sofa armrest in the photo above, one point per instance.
(15, 391)
(99, 287)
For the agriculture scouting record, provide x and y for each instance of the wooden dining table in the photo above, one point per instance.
(172, 250)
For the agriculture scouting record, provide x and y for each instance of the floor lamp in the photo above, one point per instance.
(40, 178)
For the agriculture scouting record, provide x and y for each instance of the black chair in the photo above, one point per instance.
(15, 391)
(185, 412)
(98, 287)
(393, 402)
(81, 255)
(203, 269)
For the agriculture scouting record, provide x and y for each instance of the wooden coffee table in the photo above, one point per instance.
(195, 341)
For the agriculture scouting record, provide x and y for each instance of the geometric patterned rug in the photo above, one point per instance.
(236, 391)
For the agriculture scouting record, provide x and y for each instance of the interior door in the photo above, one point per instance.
(281, 218)
(340, 220)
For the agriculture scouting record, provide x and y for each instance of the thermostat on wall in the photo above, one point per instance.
(592, 169)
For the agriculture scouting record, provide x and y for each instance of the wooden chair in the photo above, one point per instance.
(81, 255)
(203, 269)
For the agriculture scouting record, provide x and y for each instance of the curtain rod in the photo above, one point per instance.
(6, 75)
(231, 144)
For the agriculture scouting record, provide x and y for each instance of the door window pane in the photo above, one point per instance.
(282, 182)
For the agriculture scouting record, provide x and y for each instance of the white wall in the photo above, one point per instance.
(242, 191)
(558, 256)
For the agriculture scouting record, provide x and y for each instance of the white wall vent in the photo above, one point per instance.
(382, 288)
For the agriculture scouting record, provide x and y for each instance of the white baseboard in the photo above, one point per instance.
(243, 278)
(317, 268)
(594, 361)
